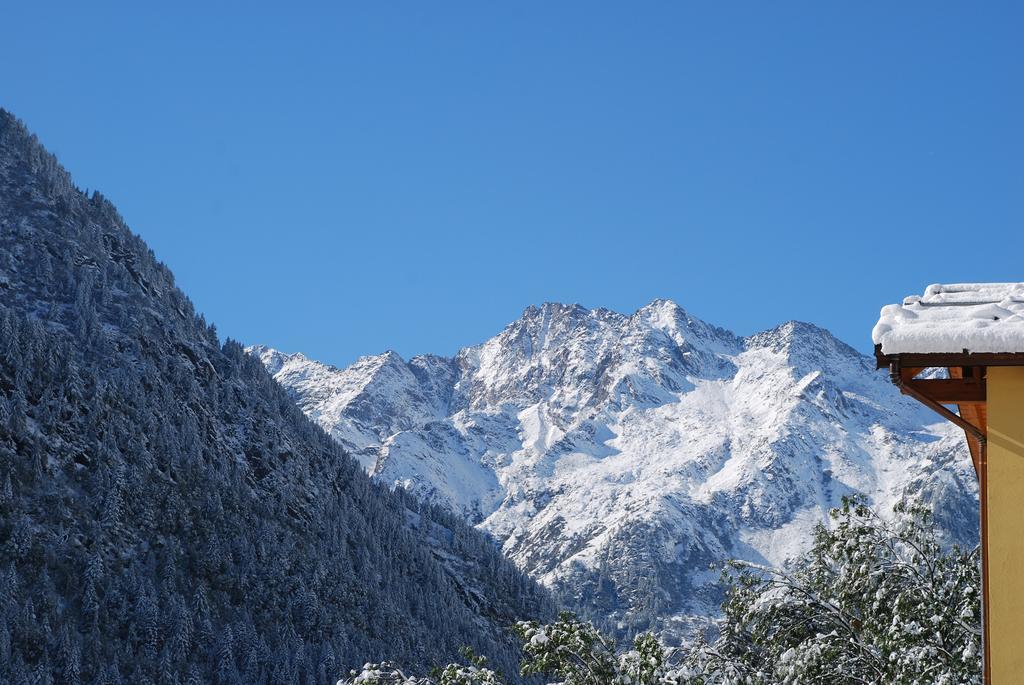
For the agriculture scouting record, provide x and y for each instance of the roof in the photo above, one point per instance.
(957, 318)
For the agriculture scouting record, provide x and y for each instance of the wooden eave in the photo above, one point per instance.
(948, 359)
(966, 387)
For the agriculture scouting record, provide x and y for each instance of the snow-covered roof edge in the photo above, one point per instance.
(950, 319)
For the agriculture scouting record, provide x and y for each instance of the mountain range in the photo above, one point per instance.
(175, 510)
(620, 459)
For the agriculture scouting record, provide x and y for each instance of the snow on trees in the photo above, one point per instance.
(874, 601)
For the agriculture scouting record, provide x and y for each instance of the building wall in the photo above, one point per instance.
(1006, 523)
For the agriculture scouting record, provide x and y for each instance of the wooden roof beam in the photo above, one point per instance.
(950, 390)
(946, 360)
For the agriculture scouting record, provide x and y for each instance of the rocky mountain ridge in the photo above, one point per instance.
(615, 457)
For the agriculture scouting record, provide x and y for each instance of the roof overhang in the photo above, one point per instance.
(948, 359)
(965, 386)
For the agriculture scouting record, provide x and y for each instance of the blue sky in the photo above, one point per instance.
(346, 178)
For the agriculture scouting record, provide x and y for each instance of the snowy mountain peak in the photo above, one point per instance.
(687, 331)
(601, 448)
(380, 368)
(795, 334)
(665, 314)
(552, 309)
(274, 360)
(377, 395)
(807, 347)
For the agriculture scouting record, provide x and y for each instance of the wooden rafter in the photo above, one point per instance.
(950, 390)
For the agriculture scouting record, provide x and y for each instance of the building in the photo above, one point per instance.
(975, 332)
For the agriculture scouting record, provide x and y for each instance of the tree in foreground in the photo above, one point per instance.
(874, 601)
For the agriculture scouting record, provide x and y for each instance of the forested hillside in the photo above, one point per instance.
(167, 515)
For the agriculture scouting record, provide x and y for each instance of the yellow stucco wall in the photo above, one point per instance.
(1006, 523)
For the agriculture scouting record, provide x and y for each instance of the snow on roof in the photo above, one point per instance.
(977, 317)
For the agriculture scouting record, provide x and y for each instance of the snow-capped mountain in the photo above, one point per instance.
(616, 457)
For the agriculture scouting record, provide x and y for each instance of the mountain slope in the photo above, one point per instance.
(616, 456)
(167, 515)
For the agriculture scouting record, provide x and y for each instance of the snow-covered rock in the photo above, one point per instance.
(616, 457)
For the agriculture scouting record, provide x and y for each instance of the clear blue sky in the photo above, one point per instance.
(344, 178)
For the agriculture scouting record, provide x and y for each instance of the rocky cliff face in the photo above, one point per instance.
(616, 457)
